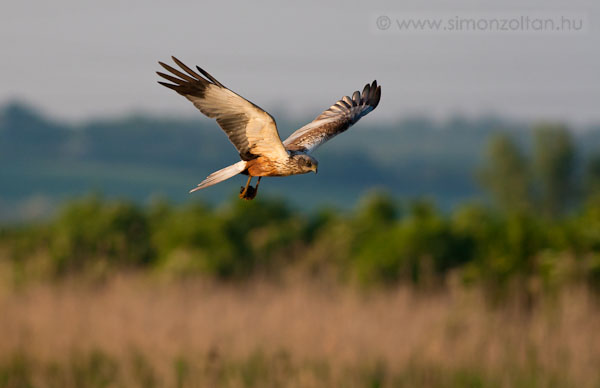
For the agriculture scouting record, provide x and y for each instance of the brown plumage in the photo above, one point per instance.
(254, 133)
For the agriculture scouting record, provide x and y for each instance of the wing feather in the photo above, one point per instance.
(335, 120)
(250, 129)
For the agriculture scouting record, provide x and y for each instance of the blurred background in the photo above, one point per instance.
(451, 237)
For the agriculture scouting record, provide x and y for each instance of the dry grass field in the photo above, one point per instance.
(133, 331)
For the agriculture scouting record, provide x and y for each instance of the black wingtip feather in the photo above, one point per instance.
(190, 84)
(365, 93)
(356, 98)
(376, 97)
(194, 76)
(175, 80)
(170, 86)
(177, 72)
(186, 69)
(210, 77)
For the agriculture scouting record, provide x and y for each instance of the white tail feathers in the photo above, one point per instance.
(221, 175)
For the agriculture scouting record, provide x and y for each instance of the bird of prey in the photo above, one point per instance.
(253, 131)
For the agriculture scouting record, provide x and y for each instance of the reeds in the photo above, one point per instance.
(131, 331)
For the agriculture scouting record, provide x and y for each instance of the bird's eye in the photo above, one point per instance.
(308, 163)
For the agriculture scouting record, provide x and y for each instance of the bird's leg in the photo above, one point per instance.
(244, 190)
(252, 193)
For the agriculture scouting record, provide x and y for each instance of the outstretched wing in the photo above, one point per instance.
(252, 131)
(335, 120)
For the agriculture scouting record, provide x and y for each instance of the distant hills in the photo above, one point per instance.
(45, 161)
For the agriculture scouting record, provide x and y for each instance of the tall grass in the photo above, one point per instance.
(132, 331)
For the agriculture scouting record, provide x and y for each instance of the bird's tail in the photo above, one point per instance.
(221, 175)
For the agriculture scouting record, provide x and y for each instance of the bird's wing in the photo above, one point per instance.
(252, 131)
(335, 120)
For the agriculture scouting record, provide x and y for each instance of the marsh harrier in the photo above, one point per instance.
(253, 131)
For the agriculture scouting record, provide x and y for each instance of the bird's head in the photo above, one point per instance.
(307, 163)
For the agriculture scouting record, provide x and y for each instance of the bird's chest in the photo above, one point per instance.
(262, 166)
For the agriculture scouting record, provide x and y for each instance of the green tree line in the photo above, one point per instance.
(545, 180)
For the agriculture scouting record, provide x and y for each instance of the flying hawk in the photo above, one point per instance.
(253, 131)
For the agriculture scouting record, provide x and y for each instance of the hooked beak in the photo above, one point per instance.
(315, 169)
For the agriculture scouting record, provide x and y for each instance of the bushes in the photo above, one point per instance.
(383, 242)
(90, 229)
(420, 245)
